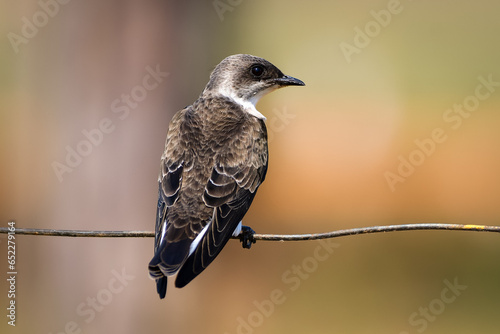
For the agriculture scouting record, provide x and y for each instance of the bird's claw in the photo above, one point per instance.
(246, 236)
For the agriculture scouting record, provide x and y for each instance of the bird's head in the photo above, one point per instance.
(247, 78)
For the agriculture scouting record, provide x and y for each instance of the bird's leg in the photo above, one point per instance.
(246, 236)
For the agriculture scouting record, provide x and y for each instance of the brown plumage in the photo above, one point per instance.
(215, 158)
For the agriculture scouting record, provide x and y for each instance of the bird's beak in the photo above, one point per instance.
(289, 81)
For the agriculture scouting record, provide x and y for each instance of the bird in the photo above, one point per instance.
(215, 159)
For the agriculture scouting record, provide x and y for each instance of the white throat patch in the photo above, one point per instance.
(247, 105)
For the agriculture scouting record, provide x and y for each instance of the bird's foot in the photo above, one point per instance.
(246, 236)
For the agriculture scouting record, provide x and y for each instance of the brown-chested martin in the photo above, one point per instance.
(215, 158)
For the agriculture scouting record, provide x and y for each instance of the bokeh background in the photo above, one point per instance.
(332, 144)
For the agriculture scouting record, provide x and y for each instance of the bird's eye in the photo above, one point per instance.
(257, 70)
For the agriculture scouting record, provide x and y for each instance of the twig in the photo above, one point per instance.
(269, 237)
(80, 233)
(377, 229)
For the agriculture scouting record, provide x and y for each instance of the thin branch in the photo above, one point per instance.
(377, 229)
(269, 237)
(80, 233)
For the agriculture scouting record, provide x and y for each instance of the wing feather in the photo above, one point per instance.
(230, 191)
(168, 259)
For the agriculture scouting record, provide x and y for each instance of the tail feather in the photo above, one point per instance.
(167, 260)
(160, 278)
(161, 286)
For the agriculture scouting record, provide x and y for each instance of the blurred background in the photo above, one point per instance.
(398, 123)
